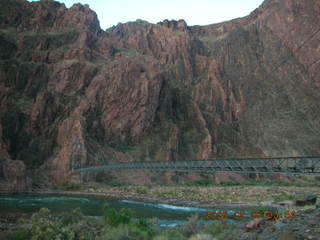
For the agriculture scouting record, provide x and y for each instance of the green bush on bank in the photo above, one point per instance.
(220, 229)
(120, 225)
(115, 225)
(113, 217)
(70, 226)
(19, 235)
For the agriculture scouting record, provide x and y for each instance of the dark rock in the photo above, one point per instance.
(314, 223)
(254, 224)
(306, 200)
(286, 204)
(15, 178)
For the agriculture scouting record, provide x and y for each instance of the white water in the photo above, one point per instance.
(168, 206)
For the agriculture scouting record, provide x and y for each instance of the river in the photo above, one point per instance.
(169, 215)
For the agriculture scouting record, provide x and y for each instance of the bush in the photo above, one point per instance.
(201, 182)
(283, 197)
(227, 184)
(43, 228)
(119, 233)
(69, 227)
(125, 231)
(141, 190)
(144, 226)
(120, 225)
(139, 232)
(192, 226)
(170, 235)
(19, 235)
(114, 218)
(220, 229)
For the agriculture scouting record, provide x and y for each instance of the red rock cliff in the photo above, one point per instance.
(72, 94)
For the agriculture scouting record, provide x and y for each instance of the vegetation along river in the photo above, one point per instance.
(168, 215)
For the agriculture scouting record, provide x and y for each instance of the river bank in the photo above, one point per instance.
(193, 196)
(216, 204)
(303, 225)
(189, 196)
(206, 197)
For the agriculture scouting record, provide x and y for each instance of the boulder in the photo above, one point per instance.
(310, 199)
(14, 176)
(286, 204)
(254, 224)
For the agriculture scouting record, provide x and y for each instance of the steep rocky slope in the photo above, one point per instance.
(72, 94)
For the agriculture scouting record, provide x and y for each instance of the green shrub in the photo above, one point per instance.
(201, 182)
(70, 226)
(283, 197)
(220, 229)
(113, 217)
(43, 228)
(137, 229)
(136, 232)
(116, 233)
(19, 235)
(121, 221)
(226, 184)
(141, 190)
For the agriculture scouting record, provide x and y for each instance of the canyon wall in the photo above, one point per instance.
(73, 95)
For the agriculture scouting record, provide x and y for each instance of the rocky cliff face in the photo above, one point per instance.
(72, 94)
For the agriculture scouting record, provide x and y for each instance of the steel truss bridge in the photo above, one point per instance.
(288, 165)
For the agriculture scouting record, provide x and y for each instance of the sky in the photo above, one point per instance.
(194, 12)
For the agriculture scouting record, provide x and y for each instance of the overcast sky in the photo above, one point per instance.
(194, 12)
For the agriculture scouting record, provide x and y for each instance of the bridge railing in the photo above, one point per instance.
(305, 165)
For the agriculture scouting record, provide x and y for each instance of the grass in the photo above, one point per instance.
(284, 197)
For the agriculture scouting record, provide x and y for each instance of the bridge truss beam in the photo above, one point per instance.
(291, 165)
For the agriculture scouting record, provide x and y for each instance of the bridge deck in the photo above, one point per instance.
(291, 165)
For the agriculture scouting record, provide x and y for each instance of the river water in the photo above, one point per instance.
(169, 215)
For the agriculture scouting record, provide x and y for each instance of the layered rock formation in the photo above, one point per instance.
(72, 94)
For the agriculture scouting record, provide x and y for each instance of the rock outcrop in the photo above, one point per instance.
(72, 94)
(13, 176)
